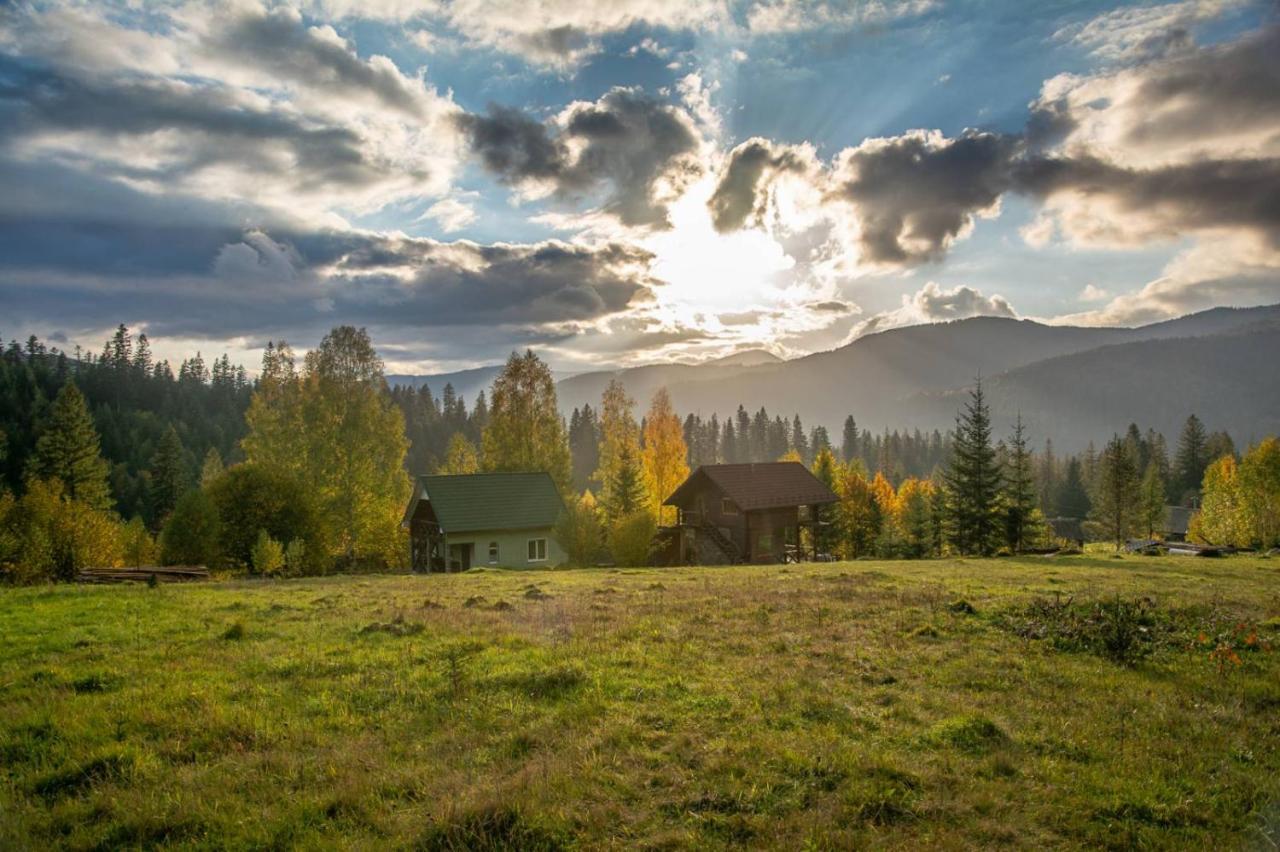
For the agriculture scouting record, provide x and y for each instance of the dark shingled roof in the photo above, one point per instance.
(489, 501)
(769, 485)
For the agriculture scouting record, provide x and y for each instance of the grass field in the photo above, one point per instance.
(948, 704)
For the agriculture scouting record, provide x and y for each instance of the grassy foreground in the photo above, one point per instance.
(884, 704)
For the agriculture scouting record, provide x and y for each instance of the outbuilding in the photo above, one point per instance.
(498, 519)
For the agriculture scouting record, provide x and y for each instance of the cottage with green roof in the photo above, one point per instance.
(499, 519)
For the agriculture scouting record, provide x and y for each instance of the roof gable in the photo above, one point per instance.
(489, 501)
(768, 485)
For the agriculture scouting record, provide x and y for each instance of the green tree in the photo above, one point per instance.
(1116, 501)
(973, 481)
(138, 546)
(191, 534)
(250, 498)
(625, 493)
(1260, 491)
(460, 457)
(1072, 499)
(1190, 460)
(168, 474)
(1019, 490)
(619, 437)
(1151, 494)
(1222, 517)
(525, 431)
(69, 451)
(337, 429)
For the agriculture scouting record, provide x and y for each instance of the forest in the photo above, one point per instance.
(117, 459)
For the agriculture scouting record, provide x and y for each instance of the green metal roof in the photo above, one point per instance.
(490, 501)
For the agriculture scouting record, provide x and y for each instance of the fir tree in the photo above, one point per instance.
(849, 440)
(1115, 502)
(1072, 498)
(168, 475)
(69, 450)
(212, 467)
(1191, 460)
(1019, 492)
(626, 493)
(1151, 500)
(973, 480)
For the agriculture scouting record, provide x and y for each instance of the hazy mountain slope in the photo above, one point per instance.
(1230, 380)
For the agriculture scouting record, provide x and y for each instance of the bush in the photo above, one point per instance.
(250, 498)
(267, 556)
(579, 533)
(139, 547)
(631, 538)
(49, 536)
(192, 532)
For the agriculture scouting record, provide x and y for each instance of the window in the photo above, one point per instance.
(728, 507)
(493, 553)
(537, 550)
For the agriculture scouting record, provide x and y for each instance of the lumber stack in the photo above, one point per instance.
(165, 574)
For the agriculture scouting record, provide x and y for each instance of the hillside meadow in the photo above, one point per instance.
(1025, 702)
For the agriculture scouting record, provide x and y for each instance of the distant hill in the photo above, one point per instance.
(1229, 379)
(909, 377)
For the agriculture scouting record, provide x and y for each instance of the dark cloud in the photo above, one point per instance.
(624, 145)
(278, 41)
(739, 194)
(915, 193)
(1164, 201)
(217, 127)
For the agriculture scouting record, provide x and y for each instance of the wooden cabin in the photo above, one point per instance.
(731, 513)
(502, 519)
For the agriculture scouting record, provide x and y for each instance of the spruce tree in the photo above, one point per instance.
(626, 492)
(69, 450)
(1020, 490)
(1191, 460)
(849, 440)
(1072, 498)
(168, 475)
(973, 481)
(1116, 500)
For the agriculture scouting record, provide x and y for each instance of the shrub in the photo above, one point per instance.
(295, 557)
(579, 532)
(250, 498)
(191, 534)
(631, 538)
(267, 556)
(139, 547)
(49, 536)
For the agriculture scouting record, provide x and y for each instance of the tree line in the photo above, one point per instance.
(114, 459)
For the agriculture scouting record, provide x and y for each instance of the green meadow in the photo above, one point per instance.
(1024, 702)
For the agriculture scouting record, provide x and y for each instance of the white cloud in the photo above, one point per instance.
(1142, 32)
(1093, 293)
(450, 214)
(931, 303)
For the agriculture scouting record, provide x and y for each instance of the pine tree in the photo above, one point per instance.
(1019, 492)
(800, 441)
(69, 451)
(168, 475)
(626, 492)
(973, 481)
(1072, 499)
(1191, 460)
(1116, 496)
(619, 436)
(1151, 499)
(849, 440)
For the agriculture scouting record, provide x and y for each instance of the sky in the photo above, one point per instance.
(627, 182)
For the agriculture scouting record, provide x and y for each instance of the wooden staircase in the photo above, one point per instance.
(707, 532)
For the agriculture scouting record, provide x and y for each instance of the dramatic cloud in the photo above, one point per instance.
(750, 172)
(640, 152)
(783, 16)
(248, 107)
(914, 194)
(933, 304)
